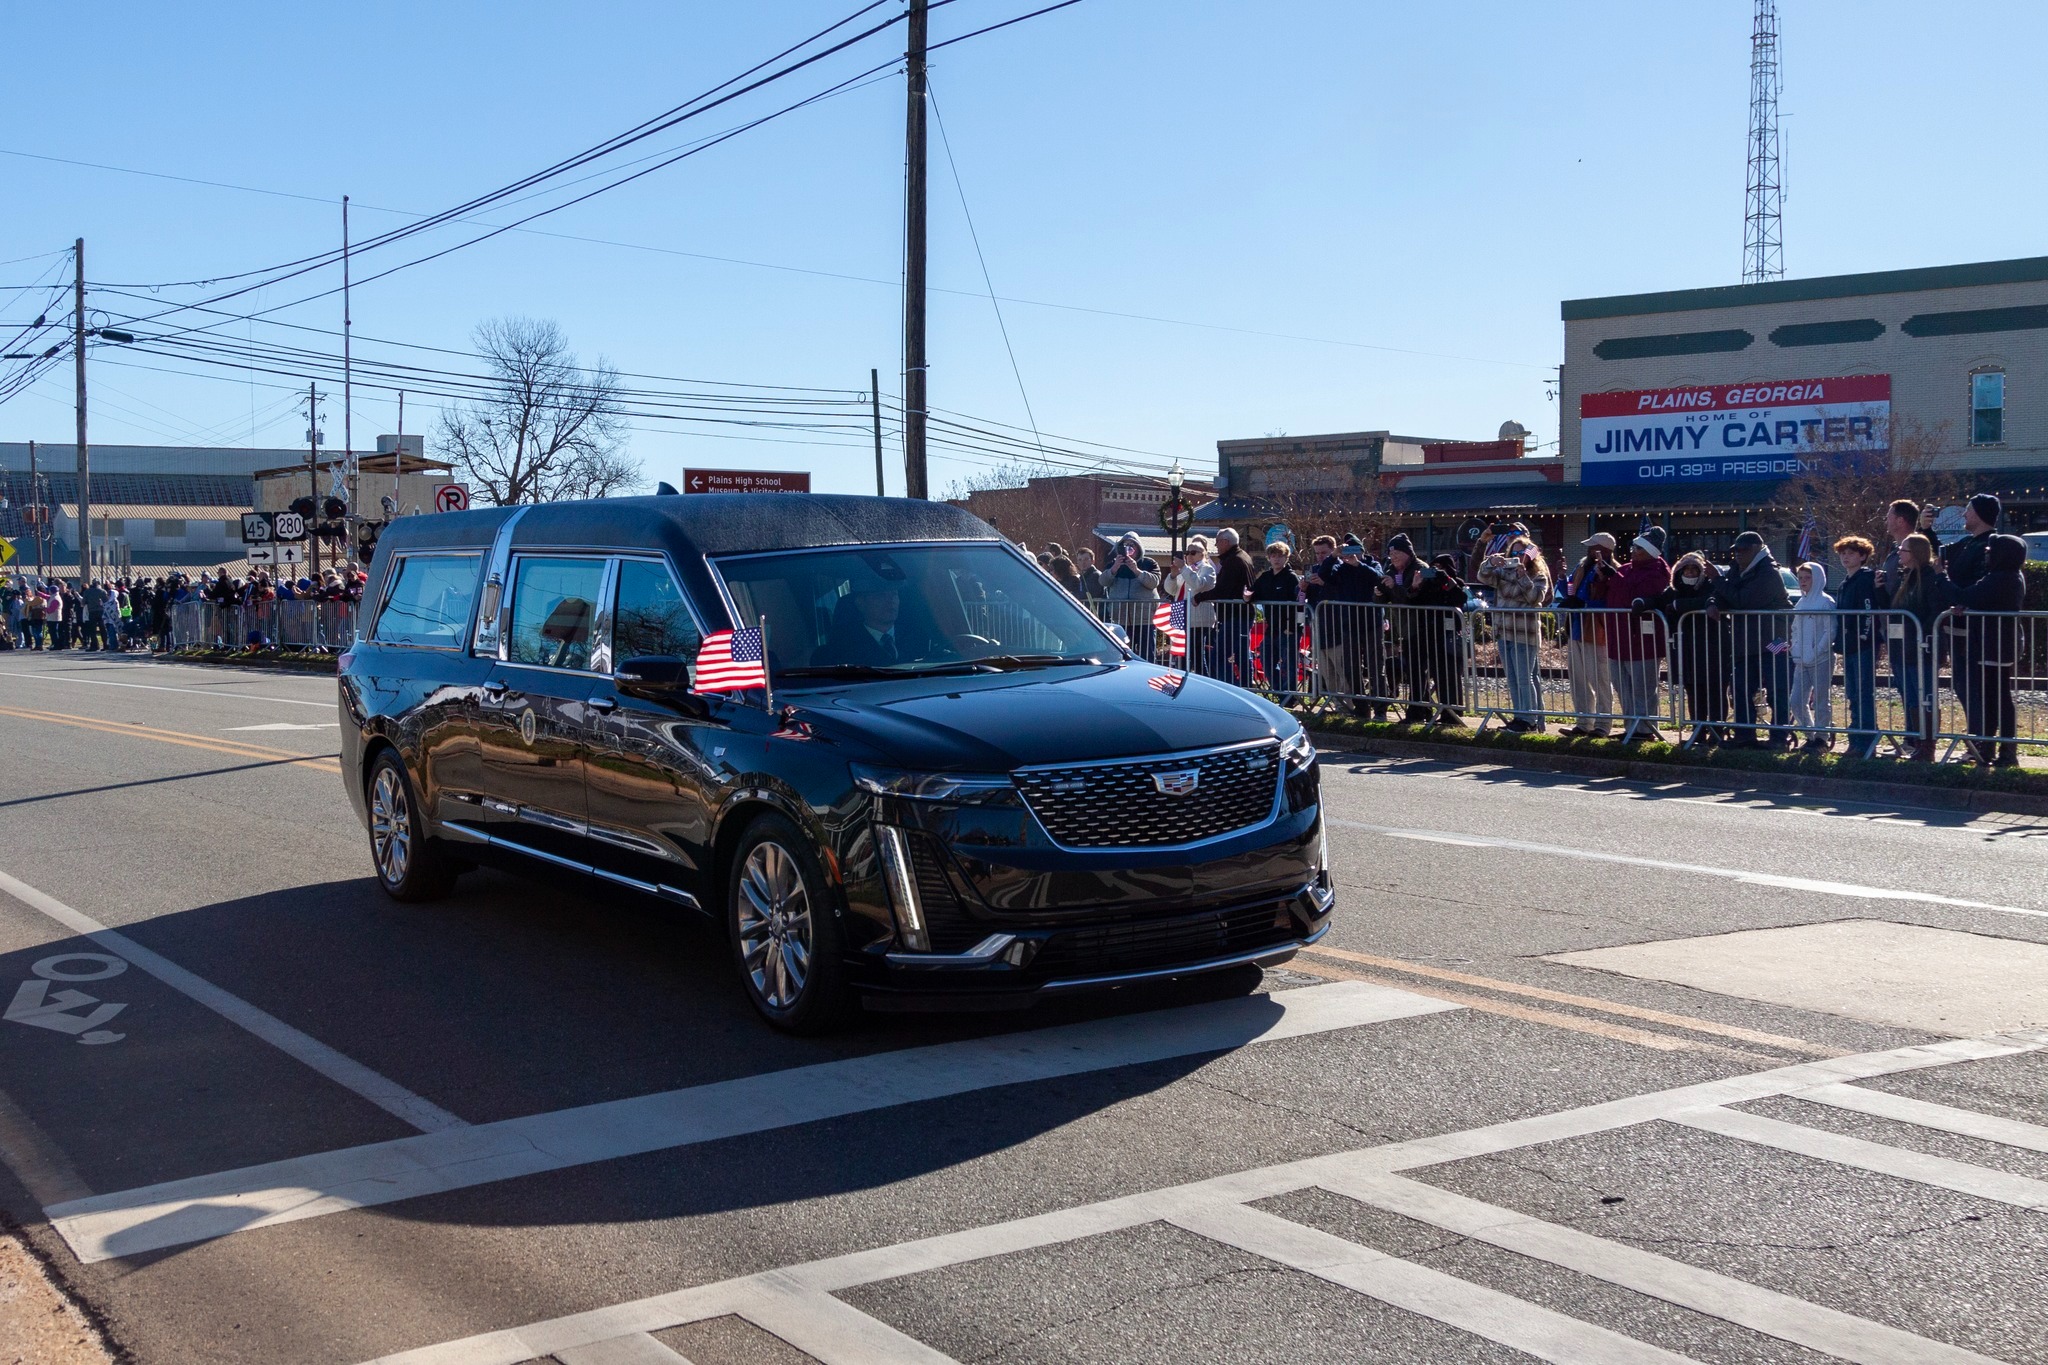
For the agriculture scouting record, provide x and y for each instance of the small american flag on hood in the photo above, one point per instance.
(1169, 683)
(732, 661)
(1172, 617)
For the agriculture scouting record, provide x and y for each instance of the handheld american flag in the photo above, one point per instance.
(732, 661)
(1806, 533)
(1172, 617)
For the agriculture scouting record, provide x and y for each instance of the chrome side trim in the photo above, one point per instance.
(485, 637)
(631, 842)
(980, 955)
(662, 889)
(1265, 957)
(549, 820)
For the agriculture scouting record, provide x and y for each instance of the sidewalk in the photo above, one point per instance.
(1883, 781)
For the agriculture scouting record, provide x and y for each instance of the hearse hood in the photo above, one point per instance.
(996, 722)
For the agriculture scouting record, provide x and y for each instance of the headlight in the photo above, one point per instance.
(1300, 752)
(958, 788)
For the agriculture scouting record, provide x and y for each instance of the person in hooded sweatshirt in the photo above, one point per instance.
(1990, 651)
(1813, 658)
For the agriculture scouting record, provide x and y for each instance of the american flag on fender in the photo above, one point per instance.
(1169, 683)
(731, 661)
(1172, 617)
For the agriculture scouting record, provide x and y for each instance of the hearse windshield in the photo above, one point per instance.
(887, 611)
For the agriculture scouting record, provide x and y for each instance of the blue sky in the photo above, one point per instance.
(1373, 209)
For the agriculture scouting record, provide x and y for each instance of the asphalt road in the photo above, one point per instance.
(535, 1121)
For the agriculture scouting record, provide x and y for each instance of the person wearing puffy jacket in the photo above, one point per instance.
(1813, 658)
(1635, 646)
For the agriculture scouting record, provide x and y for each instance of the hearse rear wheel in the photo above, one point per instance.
(410, 866)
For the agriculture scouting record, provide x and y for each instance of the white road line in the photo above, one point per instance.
(159, 687)
(1943, 1172)
(834, 1332)
(662, 1311)
(1825, 888)
(346, 1072)
(203, 1207)
(285, 725)
(1926, 1114)
(1822, 1329)
(636, 1349)
(1469, 1307)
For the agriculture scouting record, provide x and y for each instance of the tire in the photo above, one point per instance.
(785, 935)
(409, 865)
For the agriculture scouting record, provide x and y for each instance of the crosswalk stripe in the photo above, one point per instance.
(1819, 1328)
(635, 1349)
(1922, 1169)
(1884, 1104)
(203, 1207)
(1365, 1170)
(1488, 1313)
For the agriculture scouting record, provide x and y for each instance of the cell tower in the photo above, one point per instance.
(1763, 241)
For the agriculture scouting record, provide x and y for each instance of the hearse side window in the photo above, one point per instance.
(652, 618)
(554, 604)
(429, 601)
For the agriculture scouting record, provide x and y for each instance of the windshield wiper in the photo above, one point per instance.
(873, 670)
(1029, 660)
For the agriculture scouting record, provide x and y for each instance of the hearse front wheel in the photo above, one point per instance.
(785, 937)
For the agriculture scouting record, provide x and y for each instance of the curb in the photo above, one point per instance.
(1723, 779)
(327, 670)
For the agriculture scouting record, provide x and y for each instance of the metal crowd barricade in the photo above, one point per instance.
(1368, 657)
(1774, 677)
(1597, 670)
(1135, 616)
(309, 625)
(1995, 707)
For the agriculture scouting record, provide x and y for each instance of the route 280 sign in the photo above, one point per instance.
(268, 528)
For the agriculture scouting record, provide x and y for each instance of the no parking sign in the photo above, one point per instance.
(451, 497)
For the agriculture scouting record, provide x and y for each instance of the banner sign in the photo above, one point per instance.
(1761, 430)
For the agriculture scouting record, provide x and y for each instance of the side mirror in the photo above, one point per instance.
(662, 679)
(1120, 635)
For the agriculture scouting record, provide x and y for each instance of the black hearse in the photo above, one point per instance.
(959, 787)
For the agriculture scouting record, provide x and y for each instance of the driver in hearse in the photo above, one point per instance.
(865, 627)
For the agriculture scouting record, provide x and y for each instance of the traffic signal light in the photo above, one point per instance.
(305, 507)
(334, 509)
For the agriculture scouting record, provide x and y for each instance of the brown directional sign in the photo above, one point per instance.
(746, 481)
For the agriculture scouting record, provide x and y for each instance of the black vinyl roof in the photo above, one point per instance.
(702, 523)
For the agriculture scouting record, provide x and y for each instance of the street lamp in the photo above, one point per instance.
(1174, 479)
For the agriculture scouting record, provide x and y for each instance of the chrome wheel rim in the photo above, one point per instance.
(774, 925)
(390, 826)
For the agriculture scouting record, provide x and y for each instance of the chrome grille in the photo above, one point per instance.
(1121, 805)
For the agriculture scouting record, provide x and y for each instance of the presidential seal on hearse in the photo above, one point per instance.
(869, 737)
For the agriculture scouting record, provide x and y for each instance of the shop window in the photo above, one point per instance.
(1987, 408)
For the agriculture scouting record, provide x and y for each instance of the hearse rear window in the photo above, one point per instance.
(429, 601)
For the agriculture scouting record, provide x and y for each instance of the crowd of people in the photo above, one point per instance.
(135, 613)
(1754, 661)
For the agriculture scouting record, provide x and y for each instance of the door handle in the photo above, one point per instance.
(495, 691)
(604, 706)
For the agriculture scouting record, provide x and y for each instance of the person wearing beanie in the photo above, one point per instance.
(1636, 643)
(1965, 560)
(1990, 651)
(1593, 709)
(1758, 652)
(1521, 590)
(1349, 626)
(1857, 598)
(1413, 592)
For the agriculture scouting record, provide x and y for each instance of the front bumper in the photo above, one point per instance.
(1015, 968)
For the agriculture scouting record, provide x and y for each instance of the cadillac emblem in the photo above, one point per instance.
(1182, 783)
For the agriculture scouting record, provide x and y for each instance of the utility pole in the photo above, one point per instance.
(348, 442)
(913, 260)
(35, 503)
(313, 470)
(875, 397)
(84, 457)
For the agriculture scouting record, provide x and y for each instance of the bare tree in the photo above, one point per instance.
(1031, 503)
(1846, 491)
(548, 429)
